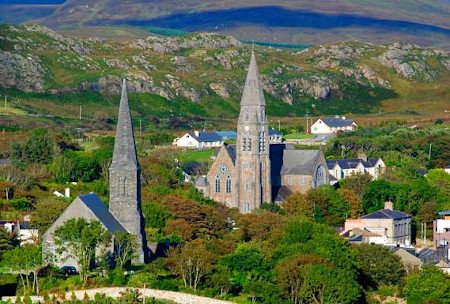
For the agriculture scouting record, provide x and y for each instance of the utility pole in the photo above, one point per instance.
(5, 100)
(279, 125)
(80, 112)
(140, 128)
(429, 153)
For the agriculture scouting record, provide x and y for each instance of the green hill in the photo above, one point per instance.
(200, 76)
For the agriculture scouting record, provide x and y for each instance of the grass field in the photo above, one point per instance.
(199, 156)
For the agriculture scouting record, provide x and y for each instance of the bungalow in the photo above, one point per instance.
(199, 140)
(341, 168)
(331, 125)
(385, 227)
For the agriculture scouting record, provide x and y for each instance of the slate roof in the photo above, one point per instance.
(94, 203)
(337, 122)
(445, 212)
(206, 136)
(387, 214)
(299, 162)
(231, 149)
(253, 93)
(201, 182)
(351, 163)
(274, 132)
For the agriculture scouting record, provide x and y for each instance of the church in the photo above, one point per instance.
(255, 171)
(124, 213)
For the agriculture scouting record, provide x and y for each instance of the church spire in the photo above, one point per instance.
(253, 93)
(124, 147)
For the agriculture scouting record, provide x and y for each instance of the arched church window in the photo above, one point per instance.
(320, 176)
(246, 143)
(262, 141)
(228, 184)
(217, 183)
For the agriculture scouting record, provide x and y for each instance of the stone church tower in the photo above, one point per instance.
(253, 184)
(125, 179)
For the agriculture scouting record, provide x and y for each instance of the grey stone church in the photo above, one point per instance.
(253, 171)
(124, 213)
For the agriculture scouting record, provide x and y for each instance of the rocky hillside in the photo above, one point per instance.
(203, 74)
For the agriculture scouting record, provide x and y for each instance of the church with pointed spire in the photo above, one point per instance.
(124, 213)
(255, 171)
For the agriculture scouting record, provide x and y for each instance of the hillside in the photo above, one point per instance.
(201, 76)
(424, 22)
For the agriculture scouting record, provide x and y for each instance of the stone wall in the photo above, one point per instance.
(114, 292)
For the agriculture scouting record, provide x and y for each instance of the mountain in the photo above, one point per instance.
(424, 22)
(201, 76)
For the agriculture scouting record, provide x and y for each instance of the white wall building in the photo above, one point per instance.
(332, 125)
(197, 139)
(341, 168)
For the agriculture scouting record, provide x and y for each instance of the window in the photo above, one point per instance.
(246, 143)
(228, 184)
(247, 184)
(122, 185)
(246, 207)
(217, 184)
(262, 141)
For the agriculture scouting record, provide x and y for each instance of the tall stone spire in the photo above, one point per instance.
(253, 93)
(125, 180)
(124, 146)
(253, 184)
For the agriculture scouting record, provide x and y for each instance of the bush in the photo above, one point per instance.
(21, 204)
(141, 278)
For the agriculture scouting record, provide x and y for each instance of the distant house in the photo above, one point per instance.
(23, 231)
(275, 136)
(385, 227)
(197, 139)
(341, 168)
(441, 229)
(331, 125)
(408, 258)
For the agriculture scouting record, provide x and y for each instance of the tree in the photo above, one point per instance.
(296, 204)
(430, 285)
(46, 212)
(353, 201)
(38, 149)
(378, 265)
(7, 241)
(191, 262)
(126, 245)
(23, 261)
(80, 239)
(357, 183)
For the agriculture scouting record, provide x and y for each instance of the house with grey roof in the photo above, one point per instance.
(387, 227)
(342, 168)
(441, 229)
(199, 140)
(330, 125)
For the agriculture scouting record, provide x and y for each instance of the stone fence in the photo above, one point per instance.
(115, 292)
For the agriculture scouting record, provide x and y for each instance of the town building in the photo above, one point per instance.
(124, 213)
(254, 170)
(441, 229)
(199, 140)
(342, 168)
(330, 125)
(385, 227)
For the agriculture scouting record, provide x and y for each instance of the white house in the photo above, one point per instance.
(384, 227)
(341, 168)
(330, 125)
(196, 139)
(24, 233)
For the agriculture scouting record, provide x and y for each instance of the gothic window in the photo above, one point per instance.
(262, 114)
(228, 184)
(262, 141)
(246, 207)
(319, 176)
(217, 183)
(247, 184)
(246, 143)
(223, 169)
(122, 185)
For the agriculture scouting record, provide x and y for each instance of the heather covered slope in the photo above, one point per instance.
(424, 22)
(202, 75)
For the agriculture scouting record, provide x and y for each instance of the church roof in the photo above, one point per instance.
(299, 162)
(253, 93)
(231, 150)
(101, 212)
(125, 156)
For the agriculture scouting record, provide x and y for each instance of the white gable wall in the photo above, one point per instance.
(187, 141)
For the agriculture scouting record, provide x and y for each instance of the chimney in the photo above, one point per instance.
(197, 133)
(343, 117)
(389, 205)
(67, 192)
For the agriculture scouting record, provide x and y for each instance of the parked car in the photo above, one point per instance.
(69, 270)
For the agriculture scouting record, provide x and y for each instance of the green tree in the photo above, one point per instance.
(378, 265)
(80, 239)
(430, 285)
(126, 245)
(7, 241)
(37, 149)
(357, 183)
(23, 261)
(46, 212)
